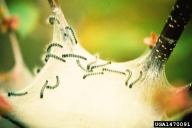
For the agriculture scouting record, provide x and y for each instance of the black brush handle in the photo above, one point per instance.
(175, 24)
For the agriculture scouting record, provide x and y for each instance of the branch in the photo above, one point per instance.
(175, 24)
(57, 12)
(53, 4)
(13, 38)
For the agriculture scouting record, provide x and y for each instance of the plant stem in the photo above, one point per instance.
(175, 24)
(57, 12)
(53, 4)
(13, 39)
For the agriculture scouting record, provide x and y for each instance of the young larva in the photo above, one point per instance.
(38, 70)
(101, 65)
(54, 56)
(16, 94)
(130, 86)
(84, 69)
(57, 84)
(88, 65)
(130, 74)
(43, 88)
(53, 44)
(115, 71)
(69, 28)
(73, 55)
(52, 20)
(95, 73)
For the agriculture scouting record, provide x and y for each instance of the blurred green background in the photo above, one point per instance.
(113, 28)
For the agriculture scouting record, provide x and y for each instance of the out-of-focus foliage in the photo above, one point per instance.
(28, 14)
(113, 28)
